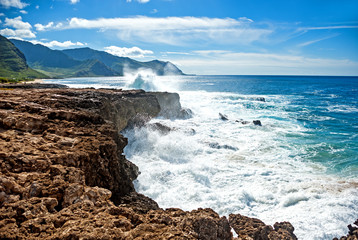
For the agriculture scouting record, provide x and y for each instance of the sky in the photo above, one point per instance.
(214, 37)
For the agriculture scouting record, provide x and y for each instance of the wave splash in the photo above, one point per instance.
(147, 80)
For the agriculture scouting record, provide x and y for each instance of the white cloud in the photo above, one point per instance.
(18, 33)
(174, 30)
(37, 6)
(226, 62)
(49, 26)
(40, 27)
(1, 14)
(327, 28)
(316, 40)
(74, 1)
(140, 1)
(23, 12)
(13, 3)
(64, 44)
(134, 52)
(17, 23)
(21, 29)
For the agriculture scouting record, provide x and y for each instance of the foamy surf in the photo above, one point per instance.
(234, 168)
(299, 166)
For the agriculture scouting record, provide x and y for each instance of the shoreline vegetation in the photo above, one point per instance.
(16, 80)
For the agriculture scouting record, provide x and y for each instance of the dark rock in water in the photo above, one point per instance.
(218, 146)
(261, 99)
(160, 127)
(242, 121)
(185, 113)
(170, 106)
(252, 228)
(257, 122)
(190, 131)
(352, 234)
(223, 117)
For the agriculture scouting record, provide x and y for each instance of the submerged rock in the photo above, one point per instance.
(223, 117)
(352, 234)
(257, 122)
(163, 129)
(243, 122)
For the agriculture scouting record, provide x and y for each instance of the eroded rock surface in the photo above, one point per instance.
(63, 174)
(352, 234)
(252, 228)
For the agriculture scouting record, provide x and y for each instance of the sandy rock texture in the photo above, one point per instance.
(63, 174)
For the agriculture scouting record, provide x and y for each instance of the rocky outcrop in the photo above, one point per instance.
(352, 234)
(170, 106)
(63, 174)
(252, 228)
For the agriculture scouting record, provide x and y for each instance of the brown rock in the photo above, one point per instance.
(253, 228)
(63, 174)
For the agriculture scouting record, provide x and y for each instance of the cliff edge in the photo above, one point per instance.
(64, 175)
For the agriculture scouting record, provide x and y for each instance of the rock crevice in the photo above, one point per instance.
(64, 175)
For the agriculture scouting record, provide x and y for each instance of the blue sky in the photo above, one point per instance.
(315, 37)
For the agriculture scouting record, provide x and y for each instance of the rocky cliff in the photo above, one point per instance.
(64, 175)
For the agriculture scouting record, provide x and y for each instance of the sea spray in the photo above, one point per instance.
(300, 166)
(260, 171)
(147, 80)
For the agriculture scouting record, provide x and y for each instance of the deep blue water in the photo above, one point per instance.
(300, 166)
(326, 105)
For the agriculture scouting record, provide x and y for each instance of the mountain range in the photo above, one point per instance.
(13, 62)
(86, 62)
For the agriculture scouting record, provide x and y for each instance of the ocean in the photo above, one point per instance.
(300, 166)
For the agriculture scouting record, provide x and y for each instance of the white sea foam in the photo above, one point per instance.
(343, 108)
(263, 172)
(247, 169)
(147, 80)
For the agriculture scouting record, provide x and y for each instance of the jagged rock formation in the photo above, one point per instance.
(63, 174)
(252, 228)
(352, 234)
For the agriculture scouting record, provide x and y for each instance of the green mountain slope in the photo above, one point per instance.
(56, 64)
(122, 64)
(13, 62)
(86, 62)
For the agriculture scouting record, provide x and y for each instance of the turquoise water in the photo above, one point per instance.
(326, 106)
(300, 166)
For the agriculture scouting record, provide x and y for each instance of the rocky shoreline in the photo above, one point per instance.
(64, 175)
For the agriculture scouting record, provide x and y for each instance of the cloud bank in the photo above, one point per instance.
(134, 52)
(140, 1)
(74, 1)
(171, 30)
(244, 63)
(17, 28)
(64, 44)
(13, 3)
